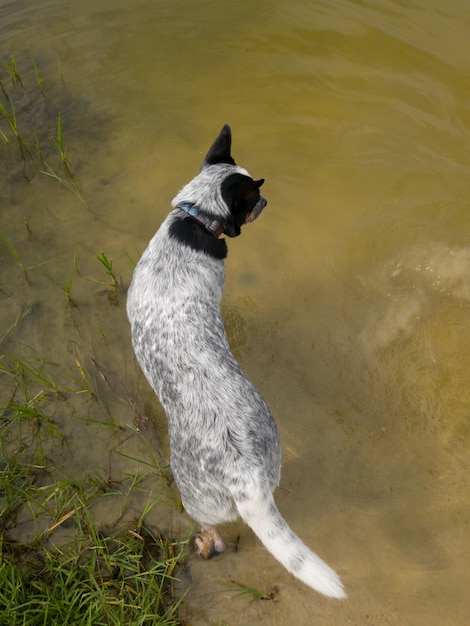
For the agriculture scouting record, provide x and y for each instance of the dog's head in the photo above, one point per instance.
(224, 191)
(238, 190)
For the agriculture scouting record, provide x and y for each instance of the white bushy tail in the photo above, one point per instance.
(263, 516)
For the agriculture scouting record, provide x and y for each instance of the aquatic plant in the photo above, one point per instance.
(14, 252)
(67, 183)
(256, 594)
(60, 145)
(10, 117)
(12, 68)
(31, 146)
(37, 73)
(113, 285)
(25, 421)
(67, 289)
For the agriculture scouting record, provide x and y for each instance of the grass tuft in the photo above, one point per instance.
(256, 594)
(39, 78)
(60, 145)
(14, 252)
(13, 72)
(96, 577)
(113, 285)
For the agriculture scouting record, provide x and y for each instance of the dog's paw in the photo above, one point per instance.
(208, 543)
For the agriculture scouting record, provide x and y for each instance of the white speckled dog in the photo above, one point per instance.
(225, 450)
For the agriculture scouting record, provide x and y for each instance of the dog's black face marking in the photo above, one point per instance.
(192, 234)
(219, 152)
(241, 194)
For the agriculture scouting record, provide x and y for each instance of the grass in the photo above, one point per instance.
(72, 570)
(10, 117)
(25, 417)
(39, 78)
(253, 592)
(69, 184)
(12, 69)
(113, 284)
(98, 577)
(67, 289)
(58, 564)
(119, 575)
(60, 145)
(13, 251)
(62, 561)
(31, 149)
(114, 580)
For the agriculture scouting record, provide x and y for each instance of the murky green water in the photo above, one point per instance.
(348, 303)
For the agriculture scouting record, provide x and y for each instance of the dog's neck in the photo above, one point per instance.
(211, 225)
(200, 232)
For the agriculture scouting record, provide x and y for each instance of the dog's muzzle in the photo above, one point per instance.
(257, 209)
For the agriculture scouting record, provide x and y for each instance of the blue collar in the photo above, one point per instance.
(211, 225)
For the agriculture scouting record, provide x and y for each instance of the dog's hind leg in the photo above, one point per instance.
(208, 542)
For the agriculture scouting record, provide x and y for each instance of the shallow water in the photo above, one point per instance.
(347, 303)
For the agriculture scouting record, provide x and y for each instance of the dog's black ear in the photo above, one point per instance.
(257, 183)
(219, 152)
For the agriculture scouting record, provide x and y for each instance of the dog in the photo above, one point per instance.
(225, 446)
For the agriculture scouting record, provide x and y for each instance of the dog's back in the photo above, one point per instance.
(220, 427)
(225, 450)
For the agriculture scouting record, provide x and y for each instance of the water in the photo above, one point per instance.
(348, 303)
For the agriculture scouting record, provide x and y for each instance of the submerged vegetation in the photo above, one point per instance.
(32, 129)
(80, 540)
(59, 563)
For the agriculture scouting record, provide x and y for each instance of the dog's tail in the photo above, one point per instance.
(263, 516)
